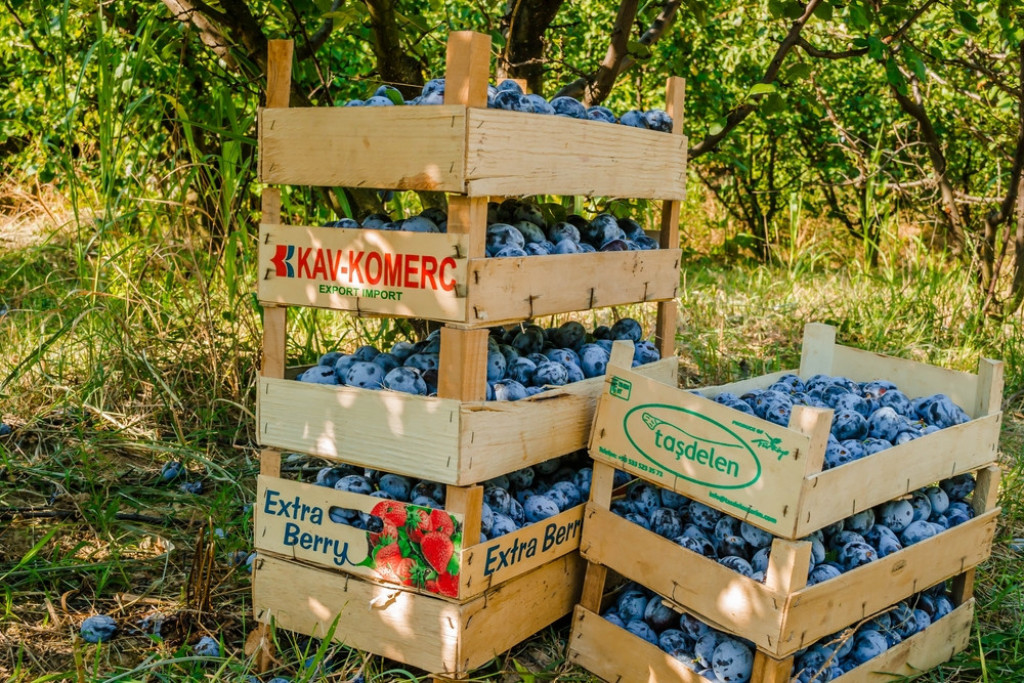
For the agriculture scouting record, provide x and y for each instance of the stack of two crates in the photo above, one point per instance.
(772, 477)
(315, 576)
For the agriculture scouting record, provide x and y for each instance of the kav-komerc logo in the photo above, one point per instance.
(706, 452)
(356, 267)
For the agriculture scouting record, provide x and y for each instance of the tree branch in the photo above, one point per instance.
(524, 26)
(738, 114)
(651, 36)
(393, 64)
(317, 40)
(829, 54)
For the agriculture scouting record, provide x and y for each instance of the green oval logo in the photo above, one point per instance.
(705, 452)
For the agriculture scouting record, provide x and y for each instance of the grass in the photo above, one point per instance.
(127, 343)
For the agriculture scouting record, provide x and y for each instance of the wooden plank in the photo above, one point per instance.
(615, 654)
(788, 565)
(502, 436)
(516, 288)
(817, 354)
(986, 497)
(463, 364)
(403, 148)
(594, 586)
(740, 464)
(518, 609)
(492, 562)
(275, 336)
(816, 423)
(896, 471)
(270, 205)
(467, 502)
(912, 377)
(412, 435)
(467, 68)
(392, 272)
(418, 630)
(524, 154)
(602, 482)
(990, 387)
(923, 651)
(467, 216)
(279, 73)
(668, 236)
(780, 623)
(770, 670)
(270, 462)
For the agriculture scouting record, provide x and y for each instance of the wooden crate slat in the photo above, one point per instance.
(922, 651)
(368, 271)
(614, 654)
(415, 629)
(419, 630)
(516, 288)
(524, 154)
(387, 430)
(780, 624)
(895, 471)
(403, 147)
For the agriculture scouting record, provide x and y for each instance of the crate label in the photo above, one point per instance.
(717, 457)
(405, 544)
(732, 461)
(550, 536)
(620, 388)
(363, 270)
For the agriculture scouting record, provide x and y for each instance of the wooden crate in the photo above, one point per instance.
(418, 630)
(615, 654)
(292, 521)
(439, 439)
(783, 614)
(771, 476)
(431, 276)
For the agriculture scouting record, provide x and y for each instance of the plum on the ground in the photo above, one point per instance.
(171, 470)
(206, 647)
(98, 628)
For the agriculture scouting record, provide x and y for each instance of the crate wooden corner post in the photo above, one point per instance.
(279, 85)
(668, 238)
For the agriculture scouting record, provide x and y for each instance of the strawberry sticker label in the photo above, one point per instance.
(386, 540)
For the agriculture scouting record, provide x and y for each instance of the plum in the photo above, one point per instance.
(568, 106)
(732, 661)
(406, 379)
(98, 628)
(657, 615)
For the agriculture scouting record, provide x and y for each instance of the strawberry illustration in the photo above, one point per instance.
(448, 584)
(391, 566)
(391, 511)
(418, 524)
(437, 550)
(442, 521)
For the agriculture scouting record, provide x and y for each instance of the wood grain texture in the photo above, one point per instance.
(615, 654)
(463, 364)
(275, 339)
(402, 148)
(524, 154)
(279, 73)
(517, 288)
(467, 68)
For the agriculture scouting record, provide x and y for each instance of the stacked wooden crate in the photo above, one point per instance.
(312, 575)
(778, 485)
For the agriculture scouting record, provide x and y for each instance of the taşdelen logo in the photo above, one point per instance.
(707, 452)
